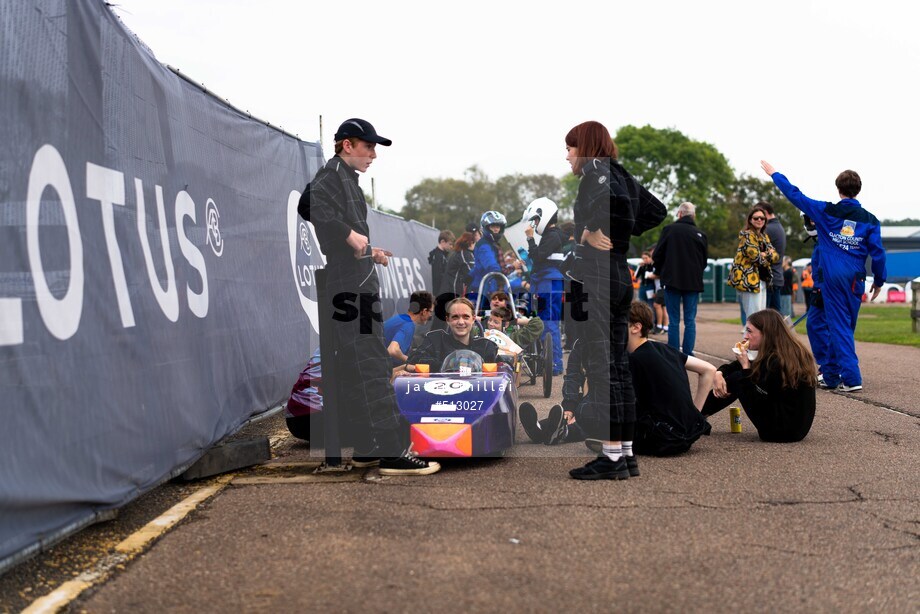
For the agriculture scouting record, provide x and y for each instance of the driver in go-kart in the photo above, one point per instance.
(438, 344)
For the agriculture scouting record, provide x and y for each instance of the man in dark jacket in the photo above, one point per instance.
(334, 203)
(680, 258)
(777, 234)
(437, 258)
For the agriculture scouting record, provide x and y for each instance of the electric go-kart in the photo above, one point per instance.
(537, 359)
(466, 409)
(306, 400)
(469, 411)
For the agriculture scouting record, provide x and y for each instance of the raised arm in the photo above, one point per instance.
(812, 208)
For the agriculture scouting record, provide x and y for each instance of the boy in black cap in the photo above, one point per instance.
(335, 204)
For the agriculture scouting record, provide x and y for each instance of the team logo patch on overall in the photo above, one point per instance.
(849, 228)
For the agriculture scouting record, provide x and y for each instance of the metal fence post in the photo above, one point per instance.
(914, 312)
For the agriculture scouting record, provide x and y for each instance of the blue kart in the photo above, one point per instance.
(457, 414)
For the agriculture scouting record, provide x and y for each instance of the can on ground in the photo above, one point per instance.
(734, 414)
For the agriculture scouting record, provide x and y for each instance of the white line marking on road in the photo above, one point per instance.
(126, 550)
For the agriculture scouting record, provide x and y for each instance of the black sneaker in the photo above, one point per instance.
(554, 426)
(602, 468)
(632, 464)
(528, 415)
(847, 388)
(408, 464)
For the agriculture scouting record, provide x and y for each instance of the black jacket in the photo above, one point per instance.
(610, 199)
(438, 344)
(437, 258)
(547, 257)
(777, 234)
(680, 255)
(334, 203)
(456, 275)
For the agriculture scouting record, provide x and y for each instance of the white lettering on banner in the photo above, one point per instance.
(401, 286)
(417, 267)
(61, 316)
(167, 299)
(401, 278)
(108, 187)
(197, 301)
(407, 271)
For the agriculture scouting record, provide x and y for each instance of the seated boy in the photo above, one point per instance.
(495, 332)
(399, 330)
(522, 330)
(668, 419)
(438, 344)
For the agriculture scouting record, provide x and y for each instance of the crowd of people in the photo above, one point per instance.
(622, 394)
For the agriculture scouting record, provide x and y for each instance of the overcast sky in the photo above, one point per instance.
(813, 87)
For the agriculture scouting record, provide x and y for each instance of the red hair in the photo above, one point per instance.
(592, 140)
(465, 240)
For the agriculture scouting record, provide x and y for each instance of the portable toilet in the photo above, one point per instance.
(729, 294)
(711, 293)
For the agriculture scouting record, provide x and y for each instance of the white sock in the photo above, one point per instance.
(665, 327)
(613, 451)
(627, 448)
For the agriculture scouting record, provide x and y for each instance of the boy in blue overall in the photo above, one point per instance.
(488, 256)
(847, 235)
(546, 279)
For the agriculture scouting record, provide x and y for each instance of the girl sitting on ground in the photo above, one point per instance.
(777, 389)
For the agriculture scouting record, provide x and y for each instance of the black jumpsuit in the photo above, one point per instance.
(334, 203)
(611, 200)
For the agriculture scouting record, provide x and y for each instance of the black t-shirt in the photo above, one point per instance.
(662, 389)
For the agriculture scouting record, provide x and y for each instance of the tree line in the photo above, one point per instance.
(671, 165)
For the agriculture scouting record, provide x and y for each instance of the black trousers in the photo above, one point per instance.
(361, 363)
(610, 408)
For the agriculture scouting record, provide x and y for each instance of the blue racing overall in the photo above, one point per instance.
(547, 284)
(847, 235)
(816, 324)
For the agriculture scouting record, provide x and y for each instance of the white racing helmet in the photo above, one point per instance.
(540, 213)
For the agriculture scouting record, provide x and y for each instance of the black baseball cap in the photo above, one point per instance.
(472, 227)
(360, 129)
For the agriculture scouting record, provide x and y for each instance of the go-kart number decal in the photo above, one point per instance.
(447, 387)
(457, 406)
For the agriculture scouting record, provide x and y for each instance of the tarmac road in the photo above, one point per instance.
(830, 523)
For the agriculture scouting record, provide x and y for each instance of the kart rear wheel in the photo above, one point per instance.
(299, 426)
(547, 367)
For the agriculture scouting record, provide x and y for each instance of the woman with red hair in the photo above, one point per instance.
(610, 207)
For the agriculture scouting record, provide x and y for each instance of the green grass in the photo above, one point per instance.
(876, 324)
